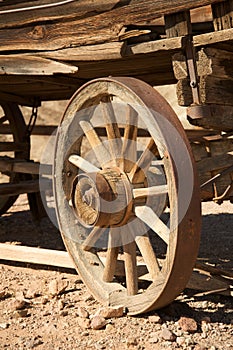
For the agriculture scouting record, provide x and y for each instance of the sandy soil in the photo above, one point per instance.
(56, 322)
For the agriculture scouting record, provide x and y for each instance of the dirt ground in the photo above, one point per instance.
(62, 320)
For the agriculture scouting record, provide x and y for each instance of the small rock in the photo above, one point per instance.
(98, 322)
(199, 347)
(204, 335)
(35, 342)
(46, 313)
(57, 286)
(180, 341)
(155, 318)
(205, 326)
(63, 313)
(4, 325)
(19, 295)
(131, 341)
(82, 312)
(17, 304)
(166, 334)
(188, 341)
(109, 328)
(89, 298)
(32, 293)
(84, 323)
(60, 304)
(153, 337)
(2, 294)
(84, 334)
(21, 313)
(44, 300)
(110, 312)
(205, 304)
(188, 324)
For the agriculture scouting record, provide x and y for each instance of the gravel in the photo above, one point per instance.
(51, 309)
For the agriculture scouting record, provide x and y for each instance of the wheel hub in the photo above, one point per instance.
(103, 198)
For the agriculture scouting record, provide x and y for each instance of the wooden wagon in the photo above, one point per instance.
(127, 177)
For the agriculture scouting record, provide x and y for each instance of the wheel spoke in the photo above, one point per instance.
(93, 237)
(113, 132)
(148, 216)
(145, 247)
(112, 253)
(150, 191)
(129, 147)
(83, 164)
(101, 153)
(130, 260)
(137, 173)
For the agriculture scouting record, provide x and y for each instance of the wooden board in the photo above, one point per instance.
(31, 65)
(35, 255)
(128, 12)
(32, 255)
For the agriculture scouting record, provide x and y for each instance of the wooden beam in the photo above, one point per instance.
(210, 61)
(84, 8)
(178, 24)
(218, 37)
(32, 65)
(212, 91)
(223, 15)
(11, 189)
(17, 166)
(219, 117)
(35, 255)
(50, 34)
(48, 257)
(106, 51)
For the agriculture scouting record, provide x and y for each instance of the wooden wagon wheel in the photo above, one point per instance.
(18, 147)
(126, 194)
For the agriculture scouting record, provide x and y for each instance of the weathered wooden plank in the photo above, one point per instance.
(11, 189)
(76, 9)
(104, 27)
(219, 117)
(214, 163)
(178, 24)
(32, 65)
(106, 51)
(219, 37)
(37, 129)
(13, 146)
(223, 15)
(17, 166)
(21, 100)
(210, 61)
(212, 91)
(166, 45)
(84, 8)
(35, 255)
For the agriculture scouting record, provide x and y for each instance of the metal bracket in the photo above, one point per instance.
(192, 69)
(33, 118)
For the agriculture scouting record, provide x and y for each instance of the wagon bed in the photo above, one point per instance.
(49, 52)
